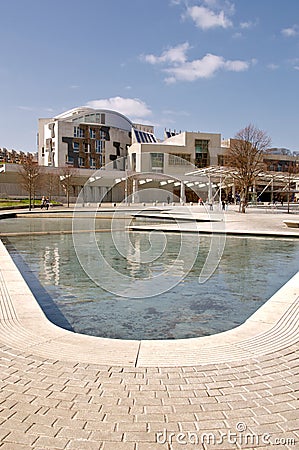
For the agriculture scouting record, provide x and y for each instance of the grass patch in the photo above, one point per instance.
(23, 203)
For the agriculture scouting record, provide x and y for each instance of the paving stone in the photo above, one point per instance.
(187, 426)
(147, 446)
(84, 445)
(13, 446)
(216, 407)
(109, 427)
(141, 436)
(51, 442)
(158, 427)
(43, 430)
(137, 426)
(17, 437)
(62, 422)
(290, 425)
(119, 445)
(101, 435)
(182, 417)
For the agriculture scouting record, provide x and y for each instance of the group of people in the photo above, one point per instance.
(224, 202)
(45, 203)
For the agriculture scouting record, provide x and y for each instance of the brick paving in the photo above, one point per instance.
(59, 390)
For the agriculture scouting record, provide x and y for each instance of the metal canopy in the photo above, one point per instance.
(220, 171)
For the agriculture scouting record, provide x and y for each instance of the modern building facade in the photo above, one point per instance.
(13, 156)
(176, 154)
(85, 138)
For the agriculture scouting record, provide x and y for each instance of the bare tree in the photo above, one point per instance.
(51, 183)
(29, 173)
(66, 180)
(245, 157)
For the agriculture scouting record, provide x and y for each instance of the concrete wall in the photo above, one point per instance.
(182, 144)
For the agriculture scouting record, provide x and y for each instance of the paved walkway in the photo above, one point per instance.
(269, 222)
(61, 390)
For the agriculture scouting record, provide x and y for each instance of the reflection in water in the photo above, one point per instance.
(146, 249)
(50, 258)
(250, 271)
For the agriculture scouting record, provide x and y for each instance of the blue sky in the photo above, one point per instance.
(210, 65)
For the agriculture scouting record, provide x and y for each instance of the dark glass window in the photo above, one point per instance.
(202, 156)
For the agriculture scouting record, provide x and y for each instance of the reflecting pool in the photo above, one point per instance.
(251, 270)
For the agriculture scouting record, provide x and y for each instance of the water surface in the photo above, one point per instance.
(251, 270)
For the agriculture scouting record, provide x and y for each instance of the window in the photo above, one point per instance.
(202, 156)
(221, 160)
(92, 133)
(86, 147)
(100, 159)
(179, 159)
(134, 161)
(69, 159)
(92, 163)
(100, 145)
(80, 161)
(102, 134)
(78, 132)
(157, 160)
(76, 146)
(201, 146)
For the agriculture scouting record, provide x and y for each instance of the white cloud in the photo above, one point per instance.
(173, 55)
(25, 108)
(236, 65)
(178, 68)
(205, 18)
(294, 62)
(127, 106)
(291, 31)
(204, 68)
(237, 35)
(211, 3)
(176, 113)
(247, 25)
(226, 5)
(272, 66)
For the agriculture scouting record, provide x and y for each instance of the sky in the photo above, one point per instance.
(187, 65)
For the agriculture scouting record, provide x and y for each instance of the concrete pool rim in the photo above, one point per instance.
(23, 324)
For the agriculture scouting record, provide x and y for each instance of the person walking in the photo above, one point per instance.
(43, 202)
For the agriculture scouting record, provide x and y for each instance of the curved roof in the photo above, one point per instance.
(113, 118)
(82, 110)
(73, 112)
